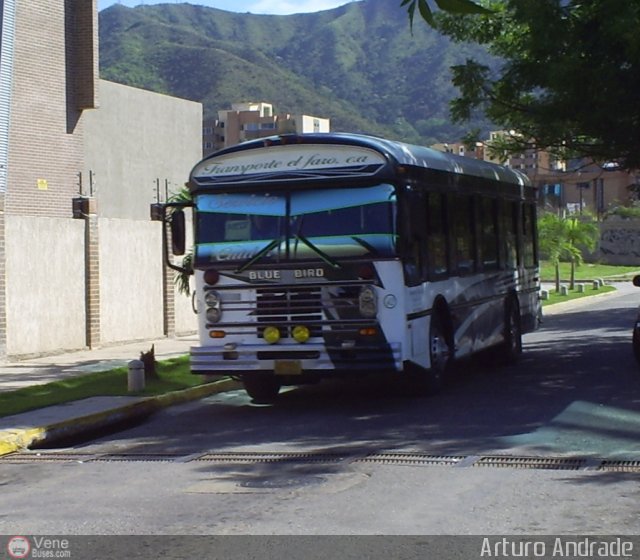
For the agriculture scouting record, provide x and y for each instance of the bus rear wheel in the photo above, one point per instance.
(512, 331)
(262, 388)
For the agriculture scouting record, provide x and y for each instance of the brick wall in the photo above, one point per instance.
(52, 81)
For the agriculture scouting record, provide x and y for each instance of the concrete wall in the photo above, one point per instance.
(70, 283)
(136, 139)
(130, 280)
(46, 285)
(619, 242)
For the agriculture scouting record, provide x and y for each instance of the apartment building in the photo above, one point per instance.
(577, 186)
(248, 121)
(476, 151)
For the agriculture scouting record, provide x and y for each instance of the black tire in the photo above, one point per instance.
(423, 381)
(262, 388)
(440, 353)
(512, 347)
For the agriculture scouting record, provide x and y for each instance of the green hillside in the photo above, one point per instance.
(359, 65)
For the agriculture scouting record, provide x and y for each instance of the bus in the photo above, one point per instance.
(328, 254)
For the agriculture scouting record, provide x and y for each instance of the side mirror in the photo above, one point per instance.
(636, 281)
(178, 232)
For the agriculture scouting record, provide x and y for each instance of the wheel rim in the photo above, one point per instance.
(439, 349)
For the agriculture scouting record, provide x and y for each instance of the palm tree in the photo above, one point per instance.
(581, 233)
(551, 236)
(564, 239)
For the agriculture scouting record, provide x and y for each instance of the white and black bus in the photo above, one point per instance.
(320, 255)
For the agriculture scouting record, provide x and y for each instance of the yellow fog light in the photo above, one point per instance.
(271, 335)
(301, 333)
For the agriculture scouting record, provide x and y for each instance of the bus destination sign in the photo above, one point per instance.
(285, 159)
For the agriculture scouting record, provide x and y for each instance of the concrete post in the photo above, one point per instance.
(135, 377)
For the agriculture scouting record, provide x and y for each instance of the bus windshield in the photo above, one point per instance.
(323, 224)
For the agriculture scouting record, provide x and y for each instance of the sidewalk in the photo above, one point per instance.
(17, 374)
(20, 431)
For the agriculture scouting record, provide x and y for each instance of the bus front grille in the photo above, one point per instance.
(285, 307)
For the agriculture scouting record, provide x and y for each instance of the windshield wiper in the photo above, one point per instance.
(258, 256)
(366, 245)
(326, 258)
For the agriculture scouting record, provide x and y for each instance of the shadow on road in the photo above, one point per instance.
(575, 392)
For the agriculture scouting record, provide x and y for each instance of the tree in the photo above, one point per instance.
(581, 233)
(563, 239)
(568, 76)
(551, 239)
(450, 6)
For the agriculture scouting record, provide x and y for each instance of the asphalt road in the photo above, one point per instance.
(534, 448)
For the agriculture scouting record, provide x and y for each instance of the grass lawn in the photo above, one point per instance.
(174, 374)
(584, 273)
(588, 271)
(555, 297)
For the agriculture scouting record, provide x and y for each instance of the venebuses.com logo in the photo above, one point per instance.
(18, 547)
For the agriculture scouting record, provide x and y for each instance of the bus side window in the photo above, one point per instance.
(416, 236)
(437, 250)
(488, 234)
(509, 233)
(463, 234)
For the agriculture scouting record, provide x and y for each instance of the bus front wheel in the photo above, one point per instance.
(429, 381)
(440, 353)
(262, 388)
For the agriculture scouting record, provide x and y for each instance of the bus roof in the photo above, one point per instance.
(382, 152)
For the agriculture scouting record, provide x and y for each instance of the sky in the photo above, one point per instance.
(277, 7)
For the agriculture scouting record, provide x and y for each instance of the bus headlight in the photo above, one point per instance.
(212, 299)
(368, 302)
(301, 333)
(271, 335)
(214, 306)
(213, 314)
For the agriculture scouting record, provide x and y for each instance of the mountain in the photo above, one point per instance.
(359, 65)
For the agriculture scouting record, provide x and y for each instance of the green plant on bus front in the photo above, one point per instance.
(182, 279)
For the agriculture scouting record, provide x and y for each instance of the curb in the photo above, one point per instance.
(20, 439)
(562, 306)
